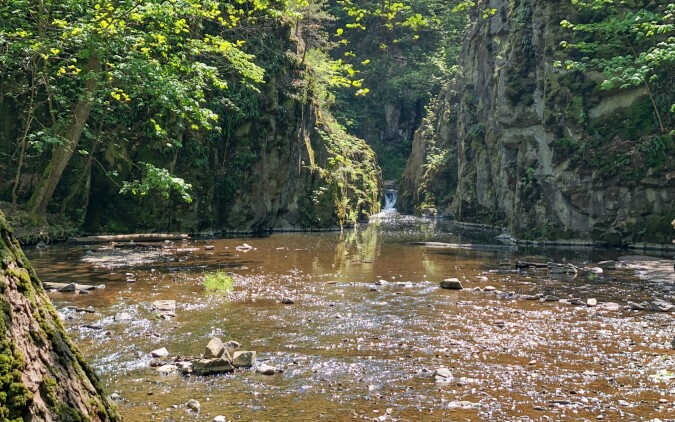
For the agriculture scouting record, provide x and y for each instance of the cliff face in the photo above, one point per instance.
(515, 141)
(42, 375)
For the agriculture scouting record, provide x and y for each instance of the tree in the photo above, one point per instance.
(42, 375)
(103, 58)
(631, 46)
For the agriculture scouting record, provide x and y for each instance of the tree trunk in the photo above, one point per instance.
(43, 377)
(63, 153)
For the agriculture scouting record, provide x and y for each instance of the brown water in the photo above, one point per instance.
(353, 350)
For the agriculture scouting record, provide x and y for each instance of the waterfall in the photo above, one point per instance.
(389, 200)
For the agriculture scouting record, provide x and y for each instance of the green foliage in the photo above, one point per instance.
(158, 180)
(219, 281)
(631, 43)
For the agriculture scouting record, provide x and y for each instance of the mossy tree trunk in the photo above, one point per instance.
(43, 377)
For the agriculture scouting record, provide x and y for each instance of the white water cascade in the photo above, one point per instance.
(389, 200)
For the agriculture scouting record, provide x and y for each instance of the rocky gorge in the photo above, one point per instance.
(516, 141)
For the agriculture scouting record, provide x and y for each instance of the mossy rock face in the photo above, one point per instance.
(55, 384)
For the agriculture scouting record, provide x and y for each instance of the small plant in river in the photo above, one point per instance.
(218, 281)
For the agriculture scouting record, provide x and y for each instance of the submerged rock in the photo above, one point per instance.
(451, 283)
(211, 366)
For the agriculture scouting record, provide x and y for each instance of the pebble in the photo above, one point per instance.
(193, 404)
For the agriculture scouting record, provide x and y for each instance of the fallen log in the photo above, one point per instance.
(138, 237)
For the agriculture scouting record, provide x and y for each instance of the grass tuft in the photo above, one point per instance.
(219, 281)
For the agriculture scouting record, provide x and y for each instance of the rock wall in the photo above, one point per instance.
(42, 375)
(515, 141)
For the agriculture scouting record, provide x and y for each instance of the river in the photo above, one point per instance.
(354, 348)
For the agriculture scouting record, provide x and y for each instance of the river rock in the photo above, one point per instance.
(551, 298)
(185, 367)
(167, 369)
(451, 283)
(209, 247)
(381, 282)
(168, 306)
(193, 405)
(211, 366)
(489, 288)
(287, 300)
(214, 349)
(591, 302)
(610, 306)
(244, 359)
(596, 270)
(69, 288)
(636, 306)
(607, 265)
(576, 302)
(443, 375)
(123, 316)
(220, 418)
(232, 346)
(159, 353)
(265, 369)
(661, 305)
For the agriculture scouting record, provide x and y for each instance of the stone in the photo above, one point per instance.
(232, 346)
(443, 375)
(659, 305)
(164, 306)
(159, 353)
(596, 270)
(115, 397)
(381, 282)
(244, 359)
(551, 298)
(69, 288)
(211, 366)
(591, 302)
(209, 247)
(220, 418)
(451, 283)
(673, 343)
(636, 306)
(265, 369)
(607, 265)
(214, 349)
(185, 367)
(193, 405)
(287, 300)
(576, 302)
(167, 369)
(610, 306)
(489, 289)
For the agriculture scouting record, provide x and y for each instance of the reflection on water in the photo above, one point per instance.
(351, 349)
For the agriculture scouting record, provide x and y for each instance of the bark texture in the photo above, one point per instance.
(43, 377)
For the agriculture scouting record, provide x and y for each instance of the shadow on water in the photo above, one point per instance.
(370, 326)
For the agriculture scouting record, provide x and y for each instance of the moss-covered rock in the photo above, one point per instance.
(42, 375)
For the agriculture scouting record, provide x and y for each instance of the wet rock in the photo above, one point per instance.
(443, 375)
(244, 359)
(265, 369)
(591, 302)
(244, 248)
(220, 418)
(596, 270)
(209, 247)
(607, 265)
(636, 306)
(211, 366)
(68, 288)
(214, 349)
(159, 353)
(381, 282)
(551, 298)
(287, 300)
(167, 369)
(661, 306)
(83, 292)
(451, 283)
(576, 302)
(610, 306)
(489, 289)
(232, 346)
(193, 405)
(165, 306)
(530, 297)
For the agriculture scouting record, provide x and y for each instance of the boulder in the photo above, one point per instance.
(451, 283)
(443, 375)
(266, 369)
(659, 305)
(193, 405)
(551, 298)
(159, 353)
(591, 302)
(211, 366)
(287, 300)
(244, 359)
(68, 288)
(214, 349)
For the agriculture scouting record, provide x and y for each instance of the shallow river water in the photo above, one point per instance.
(351, 349)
